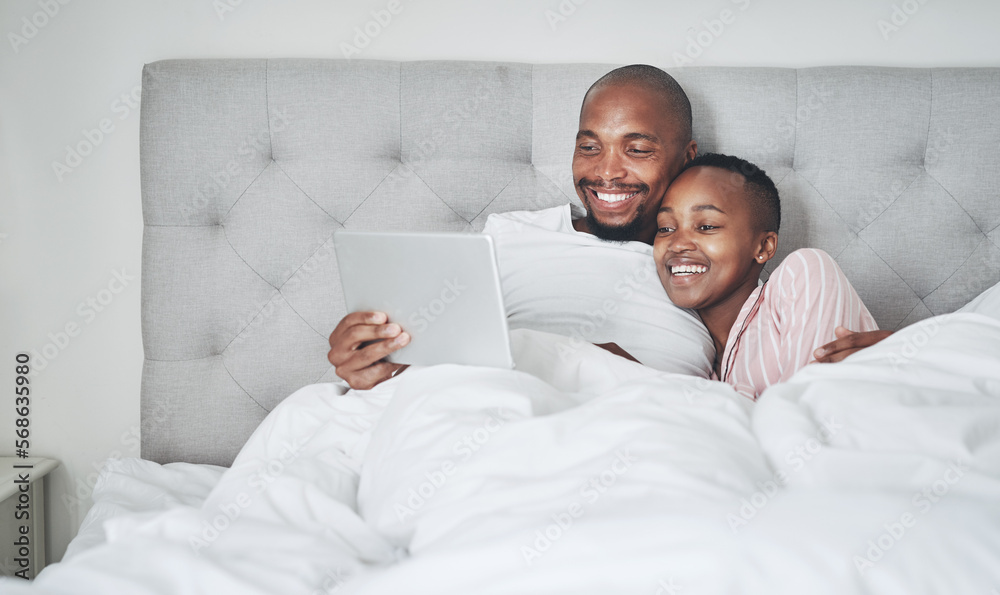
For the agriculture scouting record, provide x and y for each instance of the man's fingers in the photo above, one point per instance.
(356, 337)
(845, 340)
(362, 372)
(366, 356)
(836, 356)
(848, 344)
(370, 376)
(359, 345)
(355, 319)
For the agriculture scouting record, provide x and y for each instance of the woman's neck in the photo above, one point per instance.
(720, 318)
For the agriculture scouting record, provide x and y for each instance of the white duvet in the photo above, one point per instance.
(582, 472)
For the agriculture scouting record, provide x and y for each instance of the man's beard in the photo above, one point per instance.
(628, 232)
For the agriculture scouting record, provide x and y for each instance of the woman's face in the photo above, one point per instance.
(707, 247)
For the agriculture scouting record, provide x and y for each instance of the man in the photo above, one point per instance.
(591, 278)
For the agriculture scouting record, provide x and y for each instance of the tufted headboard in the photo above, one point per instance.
(249, 166)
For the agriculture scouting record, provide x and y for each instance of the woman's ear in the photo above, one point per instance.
(767, 247)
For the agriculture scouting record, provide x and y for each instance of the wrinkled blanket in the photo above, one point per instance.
(581, 472)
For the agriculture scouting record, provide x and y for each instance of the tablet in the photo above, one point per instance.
(441, 288)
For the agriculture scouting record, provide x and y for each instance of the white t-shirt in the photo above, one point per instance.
(562, 281)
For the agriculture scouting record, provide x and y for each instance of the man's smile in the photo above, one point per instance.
(614, 197)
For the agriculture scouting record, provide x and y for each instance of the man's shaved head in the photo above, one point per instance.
(675, 100)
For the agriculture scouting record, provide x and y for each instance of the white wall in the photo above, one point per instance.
(62, 239)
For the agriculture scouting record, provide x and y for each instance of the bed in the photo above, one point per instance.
(592, 474)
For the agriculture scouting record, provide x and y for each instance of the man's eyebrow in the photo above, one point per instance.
(694, 208)
(630, 136)
(641, 136)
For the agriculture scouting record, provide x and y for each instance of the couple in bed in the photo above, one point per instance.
(657, 218)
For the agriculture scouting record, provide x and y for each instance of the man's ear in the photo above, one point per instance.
(767, 248)
(690, 151)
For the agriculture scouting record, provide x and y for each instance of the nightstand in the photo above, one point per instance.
(22, 515)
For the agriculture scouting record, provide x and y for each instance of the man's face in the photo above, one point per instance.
(628, 150)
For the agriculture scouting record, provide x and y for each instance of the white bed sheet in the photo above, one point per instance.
(877, 475)
(135, 489)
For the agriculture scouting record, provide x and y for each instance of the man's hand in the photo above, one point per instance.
(847, 343)
(359, 345)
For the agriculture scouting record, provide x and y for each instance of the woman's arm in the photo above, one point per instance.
(815, 299)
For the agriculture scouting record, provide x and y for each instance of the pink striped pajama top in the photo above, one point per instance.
(786, 319)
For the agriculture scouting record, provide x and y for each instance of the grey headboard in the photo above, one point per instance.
(248, 167)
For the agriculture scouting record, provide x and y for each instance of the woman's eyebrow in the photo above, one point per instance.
(694, 208)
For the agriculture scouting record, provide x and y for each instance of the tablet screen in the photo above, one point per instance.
(441, 288)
